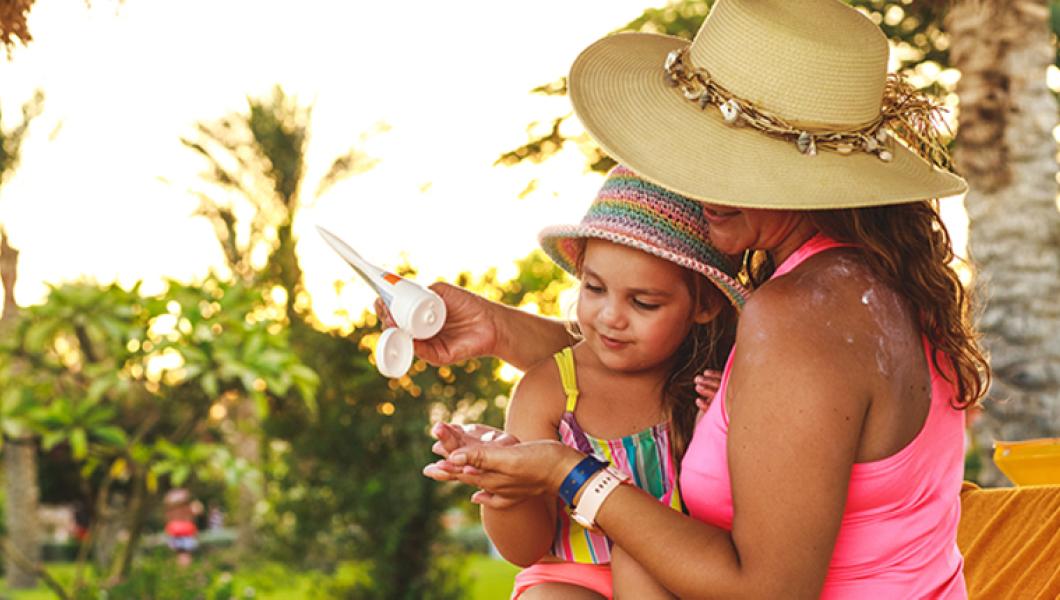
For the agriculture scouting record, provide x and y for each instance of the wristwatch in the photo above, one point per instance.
(596, 491)
(577, 477)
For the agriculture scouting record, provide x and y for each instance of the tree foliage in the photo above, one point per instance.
(131, 384)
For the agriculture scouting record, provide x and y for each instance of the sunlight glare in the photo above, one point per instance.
(509, 373)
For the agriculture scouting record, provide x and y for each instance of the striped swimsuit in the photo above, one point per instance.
(644, 455)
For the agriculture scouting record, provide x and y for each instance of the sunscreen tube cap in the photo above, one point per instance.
(417, 310)
(393, 353)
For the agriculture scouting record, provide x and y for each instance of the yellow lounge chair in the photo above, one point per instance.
(1010, 537)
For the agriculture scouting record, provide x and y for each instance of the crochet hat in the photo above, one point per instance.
(634, 212)
(774, 104)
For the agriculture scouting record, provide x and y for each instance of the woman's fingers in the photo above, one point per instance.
(468, 331)
(538, 465)
(383, 313)
(491, 483)
(450, 437)
(440, 449)
(441, 471)
(447, 439)
(492, 468)
(453, 437)
(498, 484)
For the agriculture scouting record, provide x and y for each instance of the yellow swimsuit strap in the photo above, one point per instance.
(565, 362)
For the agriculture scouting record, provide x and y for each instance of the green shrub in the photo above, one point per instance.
(161, 579)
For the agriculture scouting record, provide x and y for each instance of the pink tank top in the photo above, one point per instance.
(898, 537)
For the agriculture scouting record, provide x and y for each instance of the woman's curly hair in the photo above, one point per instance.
(908, 247)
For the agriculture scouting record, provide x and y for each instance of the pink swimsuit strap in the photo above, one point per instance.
(818, 243)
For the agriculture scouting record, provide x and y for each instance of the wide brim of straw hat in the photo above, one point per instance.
(565, 244)
(619, 92)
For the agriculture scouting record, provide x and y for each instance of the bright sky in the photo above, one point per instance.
(103, 189)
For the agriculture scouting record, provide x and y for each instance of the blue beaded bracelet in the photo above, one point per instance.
(577, 478)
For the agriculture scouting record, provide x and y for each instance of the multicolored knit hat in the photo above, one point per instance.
(633, 212)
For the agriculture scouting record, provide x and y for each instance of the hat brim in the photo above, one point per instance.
(564, 244)
(620, 95)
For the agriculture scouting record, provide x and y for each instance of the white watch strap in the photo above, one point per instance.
(597, 489)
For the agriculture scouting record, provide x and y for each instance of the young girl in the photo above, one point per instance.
(657, 306)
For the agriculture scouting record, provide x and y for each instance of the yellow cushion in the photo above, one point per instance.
(1010, 539)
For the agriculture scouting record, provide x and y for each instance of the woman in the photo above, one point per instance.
(830, 463)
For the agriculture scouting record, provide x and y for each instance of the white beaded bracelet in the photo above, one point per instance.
(597, 489)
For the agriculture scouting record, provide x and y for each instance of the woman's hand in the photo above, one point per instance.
(707, 385)
(451, 437)
(464, 440)
(470, 329)
(508, 474)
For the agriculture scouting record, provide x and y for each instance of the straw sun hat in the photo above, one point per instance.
(631, 211)
(781, 104)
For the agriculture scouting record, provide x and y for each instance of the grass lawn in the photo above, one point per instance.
(63, 572)
(491, 579)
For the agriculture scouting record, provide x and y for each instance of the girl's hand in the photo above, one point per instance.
(469, 331)
(451, 437)
(707, 385)
(509, 474)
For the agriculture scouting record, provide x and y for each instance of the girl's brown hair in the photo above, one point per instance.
(706, 346)
(908, 247)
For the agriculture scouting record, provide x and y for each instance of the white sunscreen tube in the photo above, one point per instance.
(418, 312)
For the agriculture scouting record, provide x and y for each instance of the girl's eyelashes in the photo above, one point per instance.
(644, 305)
(594, 287)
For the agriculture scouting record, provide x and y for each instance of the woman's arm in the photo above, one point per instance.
(475, 326)
(630, 580)
(524, 339)
(796, 402)
(523, 532)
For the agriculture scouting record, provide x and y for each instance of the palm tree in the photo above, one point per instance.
(19, 448)
(1005, 147)
(258, 156)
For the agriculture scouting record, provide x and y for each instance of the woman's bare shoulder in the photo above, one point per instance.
(833, 291)
(832, 307)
